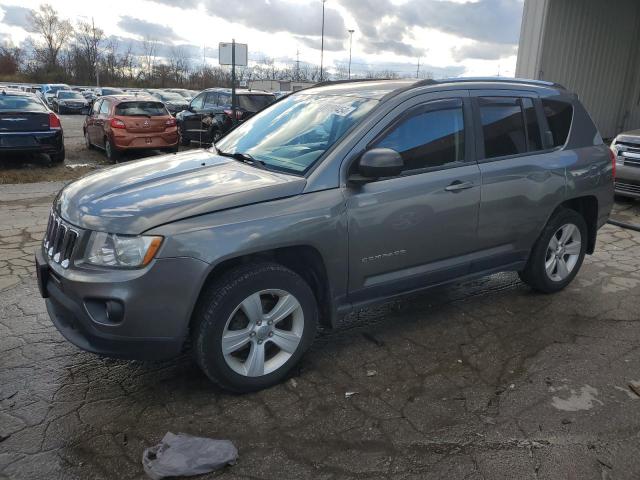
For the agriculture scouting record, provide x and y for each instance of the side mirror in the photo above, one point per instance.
(377, 163)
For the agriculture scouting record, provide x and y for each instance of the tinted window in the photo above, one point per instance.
(131, 109)
(533, 128)
(25, 103)
(198, 101)
(224, 99)
(254, 103)
(559, 116)
(503, 126)
(211, 100)
(69, 94)
(431, 138)
(104, 108)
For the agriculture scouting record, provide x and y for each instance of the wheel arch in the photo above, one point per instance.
(587, 206)
(304, 260)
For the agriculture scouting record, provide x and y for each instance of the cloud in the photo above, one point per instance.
(280, 16)
(146, 29)
(483, 51)
(16, 16)
(330, 44)
(387, 26)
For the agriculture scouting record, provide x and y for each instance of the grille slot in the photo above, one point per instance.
(628, 187)
(60, 240)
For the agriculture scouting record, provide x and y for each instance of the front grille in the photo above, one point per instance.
(627, 187)
(60, 240)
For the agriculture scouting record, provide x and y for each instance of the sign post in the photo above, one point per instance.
(233, 54)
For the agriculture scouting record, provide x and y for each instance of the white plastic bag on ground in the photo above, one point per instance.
(184, 455)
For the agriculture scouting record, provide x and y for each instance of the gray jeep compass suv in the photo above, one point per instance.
(329, 200)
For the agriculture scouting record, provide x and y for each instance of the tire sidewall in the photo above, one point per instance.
(208, 346)
(562, 218)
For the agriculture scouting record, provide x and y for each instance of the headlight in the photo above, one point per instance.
(121, 251)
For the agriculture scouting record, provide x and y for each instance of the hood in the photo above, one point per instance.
(630, 136)
(136, 196)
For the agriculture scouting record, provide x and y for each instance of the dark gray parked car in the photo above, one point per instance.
(626, 148)
(330, 200)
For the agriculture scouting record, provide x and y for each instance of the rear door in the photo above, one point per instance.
(142, 117)
(523, 179)
(91, 120)
(418, 228)
(100, 122)
(191, 119)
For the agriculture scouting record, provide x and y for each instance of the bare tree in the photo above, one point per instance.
(55, 31)
(90, 37)
(149, 52)
(179, 63)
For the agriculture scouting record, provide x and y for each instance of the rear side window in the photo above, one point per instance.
(132, 109)
(559, 115)
(532, 125)
(211, 100)
(104, 108)
(224, 99)
(502, 126)
(254, 103)
(432, 137)
(20, 103)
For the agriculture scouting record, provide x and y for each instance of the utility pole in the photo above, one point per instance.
(233, 80)
(297, 65)
(350, 45)
(322, 42)
(204, 49)
(418, 69)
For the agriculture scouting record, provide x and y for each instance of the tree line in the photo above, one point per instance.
(81, 54)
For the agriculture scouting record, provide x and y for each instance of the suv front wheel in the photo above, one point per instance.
(558, 253)
(253, 325)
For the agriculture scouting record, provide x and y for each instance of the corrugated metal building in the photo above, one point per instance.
(593, 48)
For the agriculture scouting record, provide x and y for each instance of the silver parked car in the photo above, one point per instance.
(331, 199)
(626, 148)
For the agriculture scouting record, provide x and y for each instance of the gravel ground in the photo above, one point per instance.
(482, 380)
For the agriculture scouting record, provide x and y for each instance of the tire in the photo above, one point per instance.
(544, 254)
(185, 142)
(221, 305)
(57, 157)
(113, 155)
(87, 142)
(174, 149)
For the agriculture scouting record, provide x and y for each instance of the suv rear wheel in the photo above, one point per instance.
(558, 253)
(253, 325)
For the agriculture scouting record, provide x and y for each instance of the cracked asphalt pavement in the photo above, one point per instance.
(485, 379)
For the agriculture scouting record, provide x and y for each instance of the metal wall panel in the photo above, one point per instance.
(590, 46)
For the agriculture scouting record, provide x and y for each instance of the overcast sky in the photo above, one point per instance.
(450, 37)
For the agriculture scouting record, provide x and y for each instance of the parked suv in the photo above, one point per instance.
(209, 115)
(68, 101)
(122, 123)
(330, 200)
(626, 148)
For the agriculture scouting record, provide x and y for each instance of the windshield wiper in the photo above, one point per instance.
(243, 157)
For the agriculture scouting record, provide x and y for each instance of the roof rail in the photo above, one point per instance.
(353, 80)
(526, 81)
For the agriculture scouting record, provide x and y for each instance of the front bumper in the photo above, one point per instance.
(627, 181)
(154, 306)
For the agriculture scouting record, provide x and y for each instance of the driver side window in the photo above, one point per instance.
(431, 135)
(104, 108)
(197, 102)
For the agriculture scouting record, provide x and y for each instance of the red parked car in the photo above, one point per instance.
(122, 123)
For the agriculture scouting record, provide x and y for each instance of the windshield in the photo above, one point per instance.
(55, 88)
(294, 133)
(144, 109)
(26, 103)
(255, 103)
(111, 91)
(69, 94)
(170, 97)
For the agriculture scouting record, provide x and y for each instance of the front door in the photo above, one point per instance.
(418, 228)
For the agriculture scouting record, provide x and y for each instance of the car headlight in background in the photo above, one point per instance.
(121, 251)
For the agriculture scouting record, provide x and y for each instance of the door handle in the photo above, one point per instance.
(458, 185)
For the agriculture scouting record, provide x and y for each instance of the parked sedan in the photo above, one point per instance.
(68, 101)
(122, 123)
(49, 91)
(626, 147)
(27, 126)
(209, 116)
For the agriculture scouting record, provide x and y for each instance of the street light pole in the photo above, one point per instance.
(322, 41)
(350, 45)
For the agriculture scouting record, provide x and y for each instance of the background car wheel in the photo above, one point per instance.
(185, 142)
(113, 155)
(87, 142)
(558, 253)
(253, 325)
(57, 157)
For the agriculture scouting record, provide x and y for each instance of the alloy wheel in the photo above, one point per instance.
(563, 252)
(263, 332)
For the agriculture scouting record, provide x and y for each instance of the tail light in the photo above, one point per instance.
(117, 123)
(170, 122)
(229, 113)
(613, 155)
(54, 122)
